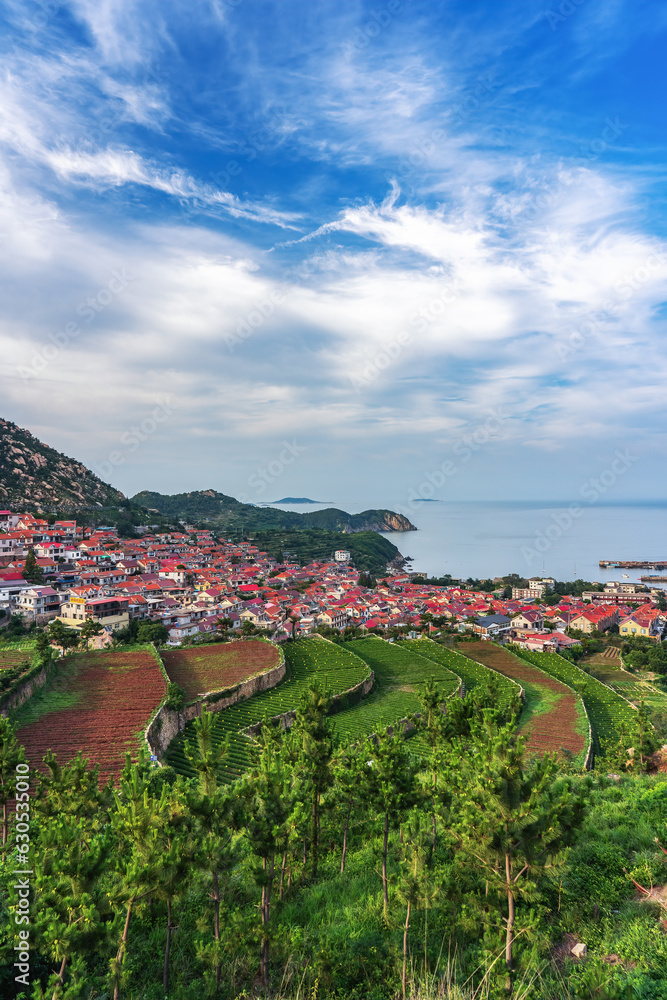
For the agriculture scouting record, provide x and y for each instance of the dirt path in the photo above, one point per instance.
(549, 718)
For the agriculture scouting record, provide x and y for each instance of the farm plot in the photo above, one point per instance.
(630, 686)
(98, 703)
(470, 671)
(199, 669)
(335, 669)
(13, 664)
(553, 717)
(399, 671)
(607, 710)
(13, 657)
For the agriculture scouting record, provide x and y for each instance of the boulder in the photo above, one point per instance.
(579, 950)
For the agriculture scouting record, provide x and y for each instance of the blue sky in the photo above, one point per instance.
(390, 235)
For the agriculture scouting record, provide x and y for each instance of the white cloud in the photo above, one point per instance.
(486, 260)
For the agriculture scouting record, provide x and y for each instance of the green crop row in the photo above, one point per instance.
(607, 710)
(375, 713)
(334, 667)
(471, 673)
(400, 664)
(399, 669)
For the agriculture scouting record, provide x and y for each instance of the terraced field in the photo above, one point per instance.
(199, 669)
(399, 671)
(10, 657)
(629, 686)
(334, 667)
(97, 703)
(471, 672)
(17, 646)
(553, 718)
(13, 664)
(607, 710)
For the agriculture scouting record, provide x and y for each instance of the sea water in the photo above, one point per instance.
(483, 539)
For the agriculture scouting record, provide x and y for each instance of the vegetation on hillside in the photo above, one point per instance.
(228, 514)
(369, 551)
(358, 872)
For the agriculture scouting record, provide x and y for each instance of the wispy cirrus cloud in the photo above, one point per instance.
(449, 237)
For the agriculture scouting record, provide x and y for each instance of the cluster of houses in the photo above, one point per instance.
(188, 581)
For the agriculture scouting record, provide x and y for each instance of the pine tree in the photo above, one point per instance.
(510, 821)
(89, 630)
(314, 733)
(140, 826)
(73, 850)
(645, 740)
(632, 745)
(206, 758)
(268, 812)
(432, 725)
(11, 754)
(71, 909)
(391, 785)
(176, 847)
(348, 774)
(217, 818)
(61, 635)
(414, 891)
(32, 571)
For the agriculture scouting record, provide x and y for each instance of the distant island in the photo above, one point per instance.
(297, 500)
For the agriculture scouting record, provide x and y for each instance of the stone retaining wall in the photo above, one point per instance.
(168, 723)
(287, 718)
(23, 691)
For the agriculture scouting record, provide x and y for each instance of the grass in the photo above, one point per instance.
(57, 694)
(537, 700)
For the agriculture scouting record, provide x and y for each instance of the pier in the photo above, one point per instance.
(632, 564)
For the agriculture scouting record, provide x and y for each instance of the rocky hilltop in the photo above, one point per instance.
(226, 513)
(33, 474)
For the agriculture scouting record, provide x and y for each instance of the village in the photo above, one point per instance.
(198, 587)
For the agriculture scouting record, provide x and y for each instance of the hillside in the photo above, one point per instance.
(229, 514)
(368, 550)
(33, 474)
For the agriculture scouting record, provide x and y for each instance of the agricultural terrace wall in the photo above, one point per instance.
(24, 688)
(168, 723)
(346, 699)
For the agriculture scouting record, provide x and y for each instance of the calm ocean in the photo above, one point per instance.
(482, 539)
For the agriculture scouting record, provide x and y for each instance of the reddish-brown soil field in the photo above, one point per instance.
(98, 703)
(200, 669)
(551, 730)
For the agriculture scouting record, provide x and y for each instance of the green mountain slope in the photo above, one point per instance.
(368, 551)
(229, 514)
